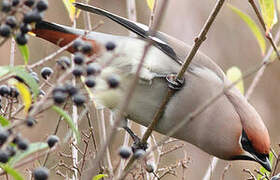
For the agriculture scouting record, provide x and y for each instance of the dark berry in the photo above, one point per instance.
(14, 92)
(79, 99)
(64, 62)
(52, 140)
(16, 139)
(15, 2)
(25, 28)
(90, 82)
(6, 5)
(4, 156)
(139, 153)
(78, 44)
(110, 46)
(21, 39)
(78, 71)
(87, 48)
(41, 173)
(59, 97)
(11, 151)
(46, 72)
(93, 69)
(79, 58)
(22, 144)
(4, 90)
(11, 21)
(29, 3)
(30, 121)
(113, 81)
(59, 88)
(42, 5)
(125, 152)
(5, 30)
(32, 16)
(3, 136)
(70, 89)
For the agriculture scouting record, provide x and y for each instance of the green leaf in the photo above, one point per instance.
(150, 4)
(268, 13)
(99, 176)
(233, 74)
(32, 148)
(28, 79)
(253, 27)
(263, 170)
(3, 121)
(68, 119)
(16, 175)
(24, 50)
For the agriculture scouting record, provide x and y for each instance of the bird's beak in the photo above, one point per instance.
(264, 161)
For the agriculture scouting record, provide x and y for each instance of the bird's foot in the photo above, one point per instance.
(174, 83)
(137, 141)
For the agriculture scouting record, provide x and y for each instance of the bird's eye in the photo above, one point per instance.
(245, 142)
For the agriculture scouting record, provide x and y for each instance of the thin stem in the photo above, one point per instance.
(12, 55)
(268, 34)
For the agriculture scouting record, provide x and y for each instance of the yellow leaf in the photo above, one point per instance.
(25, 95)
(150, 4)
(99, 176)
(268, 13)
(71, 9)
(233, 74)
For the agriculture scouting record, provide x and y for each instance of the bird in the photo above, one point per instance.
(230, 128)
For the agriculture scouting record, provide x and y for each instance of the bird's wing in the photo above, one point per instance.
(138, 28)
(174, 48)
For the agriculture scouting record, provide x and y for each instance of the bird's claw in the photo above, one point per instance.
(174, 83)
(139, 145)
(137, 141)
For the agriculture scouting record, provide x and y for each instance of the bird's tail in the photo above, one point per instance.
(58, 34)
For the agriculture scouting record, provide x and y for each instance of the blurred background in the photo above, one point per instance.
(229, 43)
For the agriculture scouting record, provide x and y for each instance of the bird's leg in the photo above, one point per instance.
(173, 82)
(136, 140)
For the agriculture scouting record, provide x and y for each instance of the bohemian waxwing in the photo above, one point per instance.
(229, 129)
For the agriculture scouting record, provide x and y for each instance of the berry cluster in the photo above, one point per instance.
(61, 93)
(91, 69)
(19, 27)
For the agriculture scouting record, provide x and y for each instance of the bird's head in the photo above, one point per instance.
(255, 148)
(254, 141)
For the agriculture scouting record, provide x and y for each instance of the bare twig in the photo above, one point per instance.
(268, 34)
(13, 50)
(225, 171)
(252, 176)
(266, 61)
